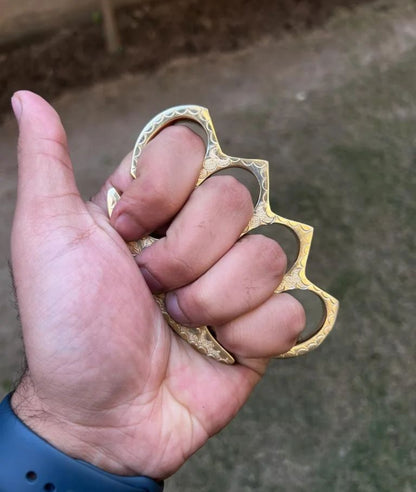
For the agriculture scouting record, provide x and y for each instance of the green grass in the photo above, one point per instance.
(6, 385)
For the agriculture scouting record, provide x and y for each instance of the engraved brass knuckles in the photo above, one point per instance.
(215, 160)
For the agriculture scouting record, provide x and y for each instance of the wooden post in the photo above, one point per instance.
(111, 32)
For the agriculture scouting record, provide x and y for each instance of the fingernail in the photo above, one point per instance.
(154, 285)
(172, 305)
(17, 106)
(127, 226)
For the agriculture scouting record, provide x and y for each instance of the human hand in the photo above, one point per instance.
(108, 381)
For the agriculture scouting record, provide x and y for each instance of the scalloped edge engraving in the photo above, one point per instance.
(215, 160)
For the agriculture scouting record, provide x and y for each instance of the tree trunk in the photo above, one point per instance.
(111, 33)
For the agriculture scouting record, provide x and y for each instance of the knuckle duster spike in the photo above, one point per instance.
(201, 337)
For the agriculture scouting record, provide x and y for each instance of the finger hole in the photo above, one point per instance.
(286, 238)
(245, 177)
(195, 127)
(242, 175)
(271, 329)
(314, 310)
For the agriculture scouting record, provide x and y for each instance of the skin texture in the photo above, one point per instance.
(108, 381)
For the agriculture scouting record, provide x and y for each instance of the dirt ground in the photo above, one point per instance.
(334, 111)
(152, 33)
(25, 19)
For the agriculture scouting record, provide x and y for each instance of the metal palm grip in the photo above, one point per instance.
(215, 160)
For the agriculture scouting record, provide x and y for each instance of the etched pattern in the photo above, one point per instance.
(200, 337)
(215, 160)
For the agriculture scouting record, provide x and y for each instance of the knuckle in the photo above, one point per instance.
(198, 300)
(180, 269)
(295, 321)
(126, 204)
(183, 136)
(232, 193)
(196, 304)
(272, 254)
(155, 197)
(233, 338)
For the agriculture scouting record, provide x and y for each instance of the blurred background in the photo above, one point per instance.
(326, 92)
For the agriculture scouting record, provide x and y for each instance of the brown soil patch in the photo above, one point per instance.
(152, 33)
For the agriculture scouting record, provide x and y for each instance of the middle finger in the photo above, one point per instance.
(209, 224)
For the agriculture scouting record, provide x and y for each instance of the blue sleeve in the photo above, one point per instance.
(29, 463)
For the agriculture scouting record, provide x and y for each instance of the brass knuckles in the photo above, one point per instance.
(215, 160)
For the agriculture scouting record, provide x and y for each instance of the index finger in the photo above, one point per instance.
(167, 173)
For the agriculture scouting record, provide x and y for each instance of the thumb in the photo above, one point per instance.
(46, 180)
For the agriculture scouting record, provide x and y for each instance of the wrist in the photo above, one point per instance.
(77, 441)
(28, 462)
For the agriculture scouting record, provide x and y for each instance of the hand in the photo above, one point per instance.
(108, 381)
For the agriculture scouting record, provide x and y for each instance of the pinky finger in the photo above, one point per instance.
(268, 331)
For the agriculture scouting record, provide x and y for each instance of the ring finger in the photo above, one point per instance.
(208, 225)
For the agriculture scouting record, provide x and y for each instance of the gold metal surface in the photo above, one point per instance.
(215, 160)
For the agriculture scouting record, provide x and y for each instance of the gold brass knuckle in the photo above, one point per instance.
(215, 160)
